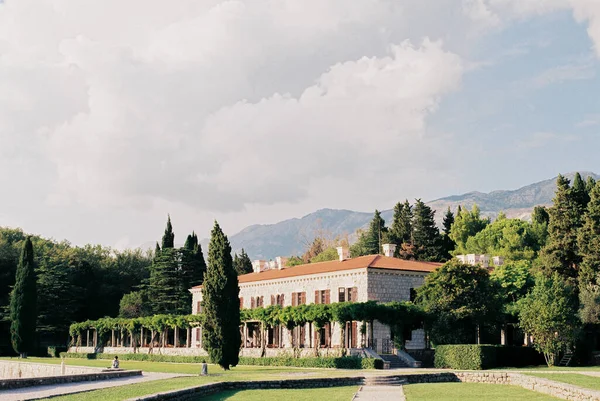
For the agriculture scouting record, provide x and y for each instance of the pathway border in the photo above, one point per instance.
(9, 384)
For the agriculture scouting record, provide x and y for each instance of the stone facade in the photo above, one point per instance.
(359, 284)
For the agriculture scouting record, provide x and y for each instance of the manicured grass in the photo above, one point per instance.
(543, 368)
(135, 390)
(470, 392)
(311, 394)
(575, 379)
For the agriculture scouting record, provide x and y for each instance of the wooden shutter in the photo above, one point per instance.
(294, 300)
(354, 338)
(252, 303)
(282, 300)
(327, 330)
(272, 299)
(303, 298)
(354, 294)
(198, 308)
(241, 303)
(327, 296)
(341, 294)
(317, 297)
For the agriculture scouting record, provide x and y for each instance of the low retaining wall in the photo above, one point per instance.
(19, 369)
(182, 351)
(6, 384)
(559, 390)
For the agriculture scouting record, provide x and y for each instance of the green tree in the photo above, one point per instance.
(370, 241)
(220, 302)
(513, 281)
(401, 229)
(580, 192)
(466, 224)
(549, 314)
(588, 241)
(460, 301)
(560, 253)
(448, 245)
(514, 239)
(425, 235)
(294, 261)
(23, 303)
(327, 255)
(242, 263)
(131, 305)
(168, 239)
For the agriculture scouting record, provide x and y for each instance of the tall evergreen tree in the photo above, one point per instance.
(590, 183)
(221, 334)
(400, 231)
(560, 253)
(23, 303)
(370, 241)
(588, 242)
(467, 224)
(448, 244)
(580, 192)
(242, 263)
(191, 271)
(168, 239)
(426, 236)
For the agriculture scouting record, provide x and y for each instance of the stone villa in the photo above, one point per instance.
(380, 278)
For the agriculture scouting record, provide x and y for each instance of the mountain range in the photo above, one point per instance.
(291, 237)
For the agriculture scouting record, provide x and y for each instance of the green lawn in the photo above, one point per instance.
(571, 378)
(470, 392)
(311, 394)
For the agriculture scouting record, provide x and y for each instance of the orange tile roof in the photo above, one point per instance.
(369, 261)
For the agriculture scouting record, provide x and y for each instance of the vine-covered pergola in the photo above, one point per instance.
(155, 331)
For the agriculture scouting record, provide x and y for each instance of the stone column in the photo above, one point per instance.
(141, 336)
(87, 343)
(245, 338)
(503, 335)
(95, 338)
(112, 338)
(176, 337)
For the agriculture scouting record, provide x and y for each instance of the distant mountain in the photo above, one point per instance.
(291, 237)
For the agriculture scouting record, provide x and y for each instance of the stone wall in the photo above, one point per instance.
(6, 384)
(18, 369)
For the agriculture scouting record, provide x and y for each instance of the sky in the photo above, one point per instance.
(115, 113)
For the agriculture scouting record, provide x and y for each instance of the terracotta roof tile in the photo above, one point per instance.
(369, 261)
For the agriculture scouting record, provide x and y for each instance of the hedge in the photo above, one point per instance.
(325, 362)
(477, 357)
(465, 356)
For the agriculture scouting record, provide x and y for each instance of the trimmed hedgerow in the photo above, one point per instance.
(325, 362)
(477, 357)
(465, 356)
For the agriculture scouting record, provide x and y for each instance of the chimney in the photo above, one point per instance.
(280, 262)
(389, 249)
(343, 253)
(258, 266)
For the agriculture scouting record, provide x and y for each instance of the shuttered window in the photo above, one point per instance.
(241, 303)
(342, 294)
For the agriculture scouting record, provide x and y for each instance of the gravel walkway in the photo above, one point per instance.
(33, 393)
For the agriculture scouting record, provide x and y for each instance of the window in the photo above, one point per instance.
(298, 298)
(413, 295)
(260, 302)
(252, 303)
(241, 303)
(199, 308)
(348, 294)
(322, 297)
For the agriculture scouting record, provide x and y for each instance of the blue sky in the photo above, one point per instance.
(116, 113)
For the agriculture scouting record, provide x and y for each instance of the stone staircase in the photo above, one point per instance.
(394, 361)
(384, 381)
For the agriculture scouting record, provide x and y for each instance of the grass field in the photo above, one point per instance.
(311, 394)
(571, 378)
(470, 392)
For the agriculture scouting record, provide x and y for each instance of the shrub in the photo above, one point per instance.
(326, 362)
(54, 351)
(477, 357)
(465, 356)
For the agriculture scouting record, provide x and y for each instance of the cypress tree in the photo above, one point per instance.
(560, 253)
(401, 230)
(426, 236)
(168, 239)
(220, 301)
(580, 193)
(191, 271)
(23, 303)
(369, 242)
(242, 263)
(588, 242)
(447, 243)
(590, 183)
